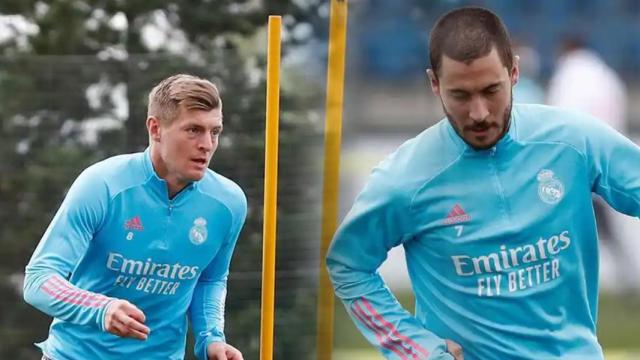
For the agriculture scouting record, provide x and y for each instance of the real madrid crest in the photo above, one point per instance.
(550, 189)
(198, 232)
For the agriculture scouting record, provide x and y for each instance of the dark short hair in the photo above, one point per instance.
(466, 34)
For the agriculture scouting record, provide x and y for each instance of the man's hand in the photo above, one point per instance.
(126, 320)
(222, 351)
(454, 349)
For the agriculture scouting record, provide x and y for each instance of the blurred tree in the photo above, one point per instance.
(74, 92)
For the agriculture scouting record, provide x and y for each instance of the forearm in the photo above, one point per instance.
(207, 314)
(52, 294)
(381, 319)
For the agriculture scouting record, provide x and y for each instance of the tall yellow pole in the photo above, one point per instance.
(333, 134)
(270, 189)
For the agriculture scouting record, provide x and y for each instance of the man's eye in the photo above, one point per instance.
(492, 90)
(459, 96)
(193, 130)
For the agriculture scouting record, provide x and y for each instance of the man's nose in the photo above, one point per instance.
(206, 142)
(478, 110)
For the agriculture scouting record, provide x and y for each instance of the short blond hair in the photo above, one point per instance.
(191, 92)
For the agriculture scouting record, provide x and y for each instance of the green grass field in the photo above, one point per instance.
(618, 330)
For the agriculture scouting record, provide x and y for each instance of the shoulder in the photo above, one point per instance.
(224, 190)
(415, 162)
(117, 173)
(539, 123)
(421, 158)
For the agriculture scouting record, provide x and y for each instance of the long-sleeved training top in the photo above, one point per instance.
(501, 244)
(117, 235)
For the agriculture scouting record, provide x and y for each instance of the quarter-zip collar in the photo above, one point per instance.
(509, 137)
(158, 184)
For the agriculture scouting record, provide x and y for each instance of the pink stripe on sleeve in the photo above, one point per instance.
(392, 328)
(63, 291)
(83, 297)
(383, 339)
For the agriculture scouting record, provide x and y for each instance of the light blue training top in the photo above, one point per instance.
(118, 236)
(501, 244)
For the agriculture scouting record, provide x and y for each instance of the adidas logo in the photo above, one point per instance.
(134, 224)
(456, 215)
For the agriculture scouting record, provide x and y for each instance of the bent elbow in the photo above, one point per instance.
(28, 291)
(31, 286)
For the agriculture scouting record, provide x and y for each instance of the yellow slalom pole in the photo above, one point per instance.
(270, 189)
(333, 134)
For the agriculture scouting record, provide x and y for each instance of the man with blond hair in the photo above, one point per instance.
(143, 239)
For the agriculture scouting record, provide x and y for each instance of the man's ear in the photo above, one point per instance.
(433, 81)
(153, 127)
(515, 71)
